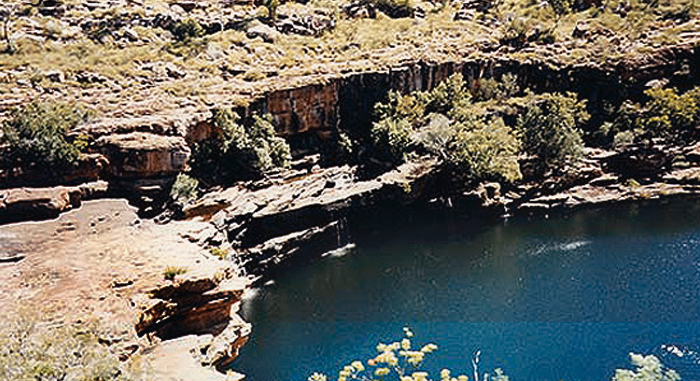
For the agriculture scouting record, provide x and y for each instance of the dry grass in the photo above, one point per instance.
(227, 63)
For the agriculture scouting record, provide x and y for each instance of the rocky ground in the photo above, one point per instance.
(102, 262)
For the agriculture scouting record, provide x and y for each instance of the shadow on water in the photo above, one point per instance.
(565, 298)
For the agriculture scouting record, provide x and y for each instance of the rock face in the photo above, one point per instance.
(302, 217)
(22, 204)
(144, 155)
(346, 101)
(199, 305)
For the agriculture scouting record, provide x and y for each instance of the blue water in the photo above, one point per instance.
(566, 298)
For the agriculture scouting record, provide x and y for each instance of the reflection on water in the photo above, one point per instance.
(566, 298)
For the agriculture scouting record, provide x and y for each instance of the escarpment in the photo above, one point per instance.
(301, 214)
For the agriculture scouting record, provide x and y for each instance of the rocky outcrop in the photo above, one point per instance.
(345, 101)
(143, 155)
(23, 204)
(302, 216)
(202, 305)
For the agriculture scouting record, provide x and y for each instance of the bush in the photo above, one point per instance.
(441, 123)
(501, 90)
(186, 30)
(36, 137)
(401, 361)
(184, 189)
(486, 150)
(396, 8)
(550, 129)
(171, 272)
(392, 137)
(668, 114)
(30, 351)
(649, 368)
(238, 152)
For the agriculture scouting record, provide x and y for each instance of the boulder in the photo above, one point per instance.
(143, 155)
(24, 204)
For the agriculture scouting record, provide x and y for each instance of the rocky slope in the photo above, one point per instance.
(102, 262)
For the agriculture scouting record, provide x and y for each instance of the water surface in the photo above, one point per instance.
(565, 298)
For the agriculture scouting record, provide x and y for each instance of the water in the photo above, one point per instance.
(566, 298)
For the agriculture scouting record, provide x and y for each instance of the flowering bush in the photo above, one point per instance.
(400, 361)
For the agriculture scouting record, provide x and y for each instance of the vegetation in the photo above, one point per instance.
(184, 189)
(445, 122)
(550, 129)
(33, 351)
(401, 362)
(649, 368)
(240, 151)
(36, 137)
(219, 252)
(171, 272)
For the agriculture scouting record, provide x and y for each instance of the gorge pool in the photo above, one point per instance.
(564, 298)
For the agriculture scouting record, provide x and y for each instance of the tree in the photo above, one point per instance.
(239, 152)
(36, 137)
(550, 129)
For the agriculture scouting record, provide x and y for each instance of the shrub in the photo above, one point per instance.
(669, 114)
(506, 88)
(392, 138)
(449, 95)
(396, 8)
(186, 30)
(550, 129)
(238, 152)
(31, 351)
(219, 252)
(171, 272)
(401, 361)
(36, 137)
(649, 368)
(441, 123)
(184, 189)
(486, 150)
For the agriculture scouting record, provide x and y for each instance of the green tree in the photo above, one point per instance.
(36, 137)
(238, 152)
(550, 129)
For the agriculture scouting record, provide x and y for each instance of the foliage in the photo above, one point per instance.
(184, 189)
(401, 361)
(219, 252)
(392, 136)
(665, 114)
(396, 8)
(240, 152)
(649, 368)
(186, 30)
(440, 122)
(36, 137)
(272, 6)
(486, 150)
(668, 113)
(550, 129)
(450, 94)
(561, 7)
(31, 351)
(490, 88)
(171, 272)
